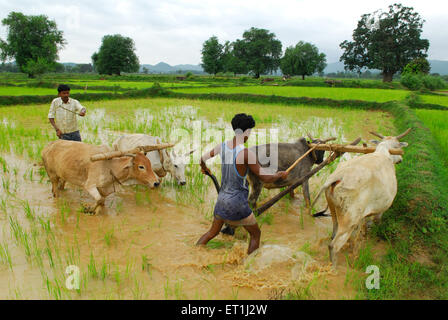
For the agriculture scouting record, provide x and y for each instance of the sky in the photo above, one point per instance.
(173, 31)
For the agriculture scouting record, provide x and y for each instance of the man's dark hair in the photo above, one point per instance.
(63, 87)
(243, 122)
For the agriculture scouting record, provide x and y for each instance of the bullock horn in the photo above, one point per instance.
(401, 136)
(329, 139)
(310, 136)
(117, 154)
(188, 153)
(377, 134)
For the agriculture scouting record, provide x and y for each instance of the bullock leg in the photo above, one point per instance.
(54, 186)
(338, 242)
(306, 196)
(334, 218)
(93, 191)
(61, 185)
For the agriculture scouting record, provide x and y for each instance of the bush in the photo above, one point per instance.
(433, 83)
(411, 81)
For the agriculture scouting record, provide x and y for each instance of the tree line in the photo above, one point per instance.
(383, 40)
(259, 52)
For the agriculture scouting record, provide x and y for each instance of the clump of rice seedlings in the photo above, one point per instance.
(54, 288)
(42, 173)
(4, 165)
(64, 211)
(166, 289)
(218, 244)
(117, 275)
(235, 293)
(179, 295)
(146, 265)
(137, 290)
(105, 270)
(109, 236)
(6, 185)
(267, 218)
(306, 247)
(3, 205)
(5, 255)
(49, 253)
(91, 267)
(29, 213)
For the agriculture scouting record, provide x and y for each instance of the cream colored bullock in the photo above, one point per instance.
(362, 187)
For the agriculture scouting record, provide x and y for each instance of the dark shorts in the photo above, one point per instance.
(73, 136)
(232, 206)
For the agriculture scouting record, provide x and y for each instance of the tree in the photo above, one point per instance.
(116, 55)
(33, 41)
(304, 59)
(417, 66)
(387, 41)
(259, 51)
(230, 63)
(211, 56)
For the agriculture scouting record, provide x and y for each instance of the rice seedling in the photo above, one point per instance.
(5, 255)
(109, 237)
(105, 270)
(29, 213)
(91, 267)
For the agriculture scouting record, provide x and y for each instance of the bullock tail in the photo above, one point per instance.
(327, 185)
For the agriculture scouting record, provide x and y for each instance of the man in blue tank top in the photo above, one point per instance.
(232, 206)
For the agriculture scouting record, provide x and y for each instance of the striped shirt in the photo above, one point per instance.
(65, 114)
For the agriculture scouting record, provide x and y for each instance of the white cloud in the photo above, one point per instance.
(173, 30)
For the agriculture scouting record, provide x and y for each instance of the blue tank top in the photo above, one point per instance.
(232, 199)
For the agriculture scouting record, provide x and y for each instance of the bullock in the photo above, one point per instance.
(288, 153)
(69, 161)
(162, 162)
(361, 188)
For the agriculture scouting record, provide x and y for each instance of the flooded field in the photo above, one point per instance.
(143, 245)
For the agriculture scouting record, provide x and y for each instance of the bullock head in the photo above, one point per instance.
(140, 170)
(319, 154)
(391, 143)
(175, 164)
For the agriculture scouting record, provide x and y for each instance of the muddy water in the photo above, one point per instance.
(153, 225)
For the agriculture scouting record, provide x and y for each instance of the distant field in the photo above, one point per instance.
(378, 95)
(132, 84)
(437, 122)
(442, 100)
(25, 91)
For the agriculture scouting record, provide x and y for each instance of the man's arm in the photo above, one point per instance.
(51, 115)
(250, 161)
(208, 155)
(53, 123)
(80, 109)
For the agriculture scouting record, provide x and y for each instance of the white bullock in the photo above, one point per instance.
(162, 162)
(361, 188)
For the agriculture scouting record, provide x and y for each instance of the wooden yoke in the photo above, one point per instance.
(335, 154)
(351, 148)
(116, 154)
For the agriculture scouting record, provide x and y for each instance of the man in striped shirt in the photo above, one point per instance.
(63, 112)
